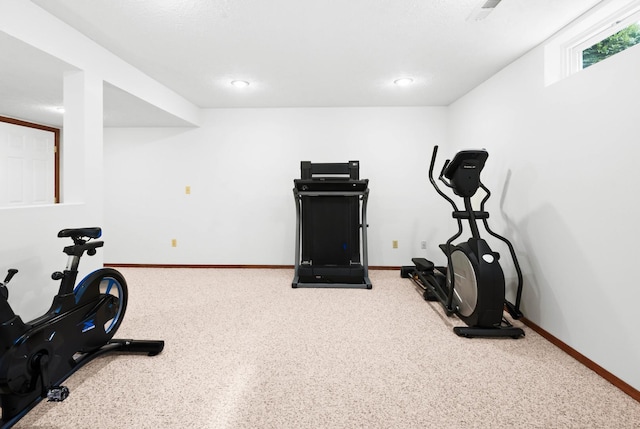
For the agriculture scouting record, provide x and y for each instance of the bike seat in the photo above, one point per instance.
(93, 232)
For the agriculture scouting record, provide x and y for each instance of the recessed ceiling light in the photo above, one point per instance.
(239, 83)
(403, 81)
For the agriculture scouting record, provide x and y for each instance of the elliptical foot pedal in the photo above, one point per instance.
(423, 264)
(57, 394)
(428, 295)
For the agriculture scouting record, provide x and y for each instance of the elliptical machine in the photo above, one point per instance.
(472, 285)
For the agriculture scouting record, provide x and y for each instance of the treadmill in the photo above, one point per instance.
(331, 226)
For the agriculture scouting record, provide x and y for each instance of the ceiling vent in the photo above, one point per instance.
(483, 11)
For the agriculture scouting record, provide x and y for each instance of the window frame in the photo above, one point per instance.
(616, 22)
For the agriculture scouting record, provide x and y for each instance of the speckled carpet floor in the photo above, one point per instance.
(245, 350)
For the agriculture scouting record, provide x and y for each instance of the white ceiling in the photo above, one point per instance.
(295, 53)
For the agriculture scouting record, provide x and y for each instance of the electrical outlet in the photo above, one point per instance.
(174, 242)
(423, 244)
(394, 244)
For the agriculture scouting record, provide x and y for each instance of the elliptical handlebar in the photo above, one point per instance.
(433, 161)
(513, 309)
(433, 182)
(486, 197)
(444, 167)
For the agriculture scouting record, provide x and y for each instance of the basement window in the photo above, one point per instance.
(607, 29)
(620, 35)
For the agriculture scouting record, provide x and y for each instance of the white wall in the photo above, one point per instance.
(29, 243)
(567, 156)
(28, 239)
(240, 166)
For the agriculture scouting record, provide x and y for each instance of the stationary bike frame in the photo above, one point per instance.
(37, 356)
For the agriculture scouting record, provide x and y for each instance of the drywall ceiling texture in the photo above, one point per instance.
(305, 53)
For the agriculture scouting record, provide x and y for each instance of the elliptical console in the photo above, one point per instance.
(472, 285)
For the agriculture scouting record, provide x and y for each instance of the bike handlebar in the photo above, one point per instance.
(79, 249)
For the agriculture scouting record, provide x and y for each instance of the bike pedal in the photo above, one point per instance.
(57, 394)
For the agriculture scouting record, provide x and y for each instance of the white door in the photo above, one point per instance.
(27, 166)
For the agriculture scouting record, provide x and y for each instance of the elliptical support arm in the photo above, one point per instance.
(449, 303)
(514, 310)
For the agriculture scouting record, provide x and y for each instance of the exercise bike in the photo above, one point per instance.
(472, 285)
(36, 357)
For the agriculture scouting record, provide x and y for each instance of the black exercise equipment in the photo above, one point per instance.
(36, 357)
(331, 219)
(472, 285)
